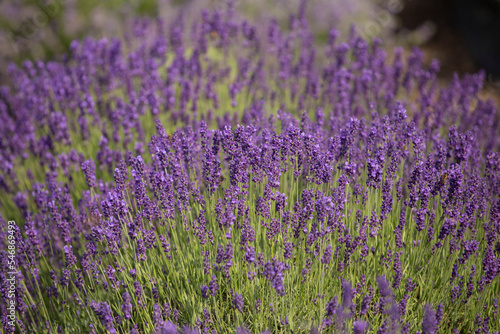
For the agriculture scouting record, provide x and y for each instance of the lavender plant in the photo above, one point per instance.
(215, 180)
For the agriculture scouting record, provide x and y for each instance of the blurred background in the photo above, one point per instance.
(463, 34)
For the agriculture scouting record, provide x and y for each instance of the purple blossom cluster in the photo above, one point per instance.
(188, 169)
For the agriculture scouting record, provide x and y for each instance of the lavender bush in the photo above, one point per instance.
(215, 180)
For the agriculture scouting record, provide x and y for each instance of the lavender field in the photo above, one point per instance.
(225, 176)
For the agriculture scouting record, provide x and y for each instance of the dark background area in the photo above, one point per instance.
(467, 35)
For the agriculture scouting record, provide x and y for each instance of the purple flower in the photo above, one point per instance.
(241, 330)
(213, 286)
(103, 312)
(166, 327)
(360, 327)
(250, 255)
(383, 286)
(398, 274)
(70, 258)
(204, 291)
(439, 313)
(238, 302)
(88, 168)
(331, 306)
(365, 303)
(288, 246)
(141, 250)
(274, 272)
(127, 305)
(64, 280)
(138, 293)
(429, 324)
(166, 246)
(157, 314)
(327, 254)
(258, 304)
